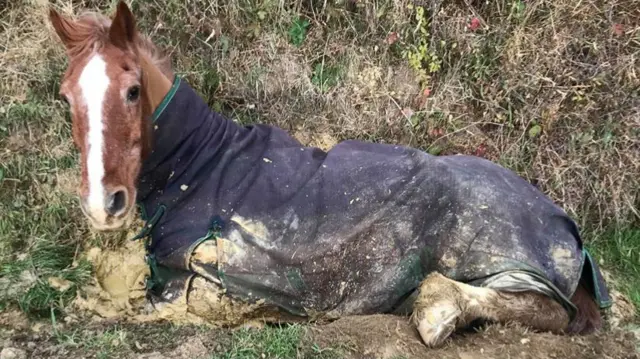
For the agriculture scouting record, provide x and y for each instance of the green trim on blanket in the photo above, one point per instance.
(586, 256)
(165, 102)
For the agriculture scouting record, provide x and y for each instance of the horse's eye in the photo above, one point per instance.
(64, 99)
(133, 93)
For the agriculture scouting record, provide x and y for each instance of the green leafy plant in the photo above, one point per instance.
(298, 31)
(423, 61)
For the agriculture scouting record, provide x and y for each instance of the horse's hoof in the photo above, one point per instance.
(437, 322)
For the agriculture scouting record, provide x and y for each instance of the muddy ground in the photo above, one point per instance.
(388, 336)
(375, 336)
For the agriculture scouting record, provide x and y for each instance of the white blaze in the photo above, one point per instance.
(94, 83)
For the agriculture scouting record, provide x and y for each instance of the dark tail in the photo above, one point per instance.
(588, 319)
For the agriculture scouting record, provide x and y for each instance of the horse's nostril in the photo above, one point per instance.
(116, 202)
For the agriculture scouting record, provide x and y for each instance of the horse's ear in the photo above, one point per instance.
(123, 28)
(65, 28)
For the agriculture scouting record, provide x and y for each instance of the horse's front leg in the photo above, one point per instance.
(444, 305)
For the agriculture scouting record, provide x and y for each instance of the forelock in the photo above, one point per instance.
(92, 33)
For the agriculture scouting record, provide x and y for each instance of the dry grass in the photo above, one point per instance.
(562, 66)
(548, 89)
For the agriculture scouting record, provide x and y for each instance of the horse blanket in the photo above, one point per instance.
(353, 230)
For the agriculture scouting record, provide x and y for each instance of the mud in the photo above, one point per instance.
(207, 302)
(321, 139)
(117, 292)
(117, 288)
(622, 311)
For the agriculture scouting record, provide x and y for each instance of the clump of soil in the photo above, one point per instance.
(117, 287)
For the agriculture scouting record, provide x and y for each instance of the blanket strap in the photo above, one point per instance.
(150, 223)
(155, 278)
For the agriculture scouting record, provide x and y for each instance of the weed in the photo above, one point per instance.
(210, 83)
(421, 59)
(534, 131)
(298, 31)
(517, 9)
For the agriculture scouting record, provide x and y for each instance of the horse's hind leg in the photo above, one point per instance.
(437, 311)
(443, 305)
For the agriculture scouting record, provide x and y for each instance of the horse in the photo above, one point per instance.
(361, 228)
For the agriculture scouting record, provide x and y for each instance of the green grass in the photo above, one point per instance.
(298, 31)
(273, 342)
(326, 76)
(105, 343)
(37, 239)
(619, 251)
(40, 226)
(124, 340)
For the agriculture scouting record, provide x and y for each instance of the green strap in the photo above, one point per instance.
(159, 274)
(150, 223)
(153, 280)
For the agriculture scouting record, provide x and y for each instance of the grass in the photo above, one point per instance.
(106, 343)
(548, 89)
(130, 340)
(273, 342)
(325, 76)
(619, 251)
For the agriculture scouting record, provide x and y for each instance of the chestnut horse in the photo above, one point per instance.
(117, 79)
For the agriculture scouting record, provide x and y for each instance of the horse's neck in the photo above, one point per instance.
(155, 83)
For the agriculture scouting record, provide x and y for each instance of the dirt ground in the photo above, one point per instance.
(383, 336)
(374, 336)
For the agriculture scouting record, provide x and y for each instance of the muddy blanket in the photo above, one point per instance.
(350, 231)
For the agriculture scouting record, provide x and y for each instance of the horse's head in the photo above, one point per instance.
(104, 87)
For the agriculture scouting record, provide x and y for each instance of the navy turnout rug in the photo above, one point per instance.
(353, 230)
